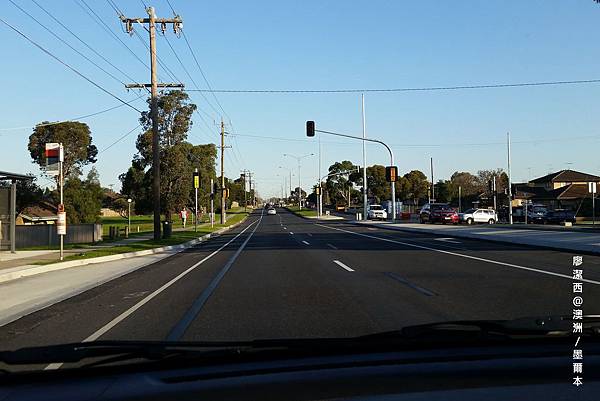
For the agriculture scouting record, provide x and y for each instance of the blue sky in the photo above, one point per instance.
(329, 45)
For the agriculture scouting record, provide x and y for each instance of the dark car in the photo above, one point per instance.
(438, 212)
(559, 216)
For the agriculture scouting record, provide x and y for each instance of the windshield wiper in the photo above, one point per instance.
(453, 331)
(489, 329)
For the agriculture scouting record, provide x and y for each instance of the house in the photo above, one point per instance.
(41, 213)
(562, 189)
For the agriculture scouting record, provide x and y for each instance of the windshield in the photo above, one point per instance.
(287, 170)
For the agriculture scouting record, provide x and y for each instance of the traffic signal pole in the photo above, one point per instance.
(311, 131)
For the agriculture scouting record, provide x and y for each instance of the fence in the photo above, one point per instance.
(45, 235)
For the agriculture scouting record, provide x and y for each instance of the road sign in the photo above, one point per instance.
(54, 155)
(61, 208)
(592, 187)
(61, 224)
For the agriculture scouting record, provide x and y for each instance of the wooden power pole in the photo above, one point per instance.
(154, 85)
(223, 189)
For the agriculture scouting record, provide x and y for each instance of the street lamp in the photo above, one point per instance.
(298, 158)
(129, 200)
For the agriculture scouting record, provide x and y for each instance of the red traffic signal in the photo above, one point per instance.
(391, 173)
(310, 128)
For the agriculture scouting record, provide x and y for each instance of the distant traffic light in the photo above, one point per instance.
(318, 190)
(310, 128)
(196, 179)
(391, 173)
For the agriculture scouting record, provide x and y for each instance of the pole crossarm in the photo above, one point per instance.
(158, 85)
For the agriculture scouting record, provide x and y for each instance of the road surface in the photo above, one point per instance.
(284, 276)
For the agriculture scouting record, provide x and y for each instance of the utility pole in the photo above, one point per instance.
(432, 183)
(510, 211)
(244, 173)
(223, 189)
(364, 152)
(154, 85)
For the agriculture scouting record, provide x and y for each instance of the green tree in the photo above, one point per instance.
(83, 199)
(337, 184)
(470, 186)
(77, 143)
(417, 185)
(28, 193)
(377, 186)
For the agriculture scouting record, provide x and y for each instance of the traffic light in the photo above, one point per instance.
(227, 193)
(391, 173)
(318, 190)
(215, 188)
(196, 179)
(310, 128)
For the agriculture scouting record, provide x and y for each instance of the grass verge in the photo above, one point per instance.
(302, 213)
(178, 237)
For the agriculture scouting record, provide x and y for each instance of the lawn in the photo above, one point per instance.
(143, 223)
(304, 212)
(178, 237)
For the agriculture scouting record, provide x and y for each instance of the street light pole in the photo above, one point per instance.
(129, 215)
(298, 158)
(364, 151)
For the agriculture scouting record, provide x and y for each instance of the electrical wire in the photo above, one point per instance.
(106, 28)
(119, 139)
(84, 42)
(69, 66)
(73, 119)
(66, 43)
(416, 89)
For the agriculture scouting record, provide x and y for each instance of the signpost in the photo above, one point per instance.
(54, 166)
(196, 185)
(592, 189)
(212, 203)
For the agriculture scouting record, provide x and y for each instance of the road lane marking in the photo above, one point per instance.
(447, 240)
(181, 327)
(291, 233)
(309, 234)
(305, 243)
(285, 228)
(461, 255)
(411, 285)
(332, 246)
(104, 329)
(343, 266)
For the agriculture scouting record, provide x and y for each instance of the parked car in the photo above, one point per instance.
(376, 212)
(438, 212)
(558, 216)
(472, 216)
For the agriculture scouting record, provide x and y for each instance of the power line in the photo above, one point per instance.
(75, 118)
(65, 42)
(82, 41)
(119, 139)
(68, 66)
(416, 89)
(106, 28)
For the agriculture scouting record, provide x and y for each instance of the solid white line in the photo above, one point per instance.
(332, 246)
(305, 243)
(447, 240)
(104, 329)
(337, 262)
(462, 255)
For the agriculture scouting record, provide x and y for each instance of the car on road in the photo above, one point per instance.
(472, 216)
(558, 216)
(376, 212)
(438, 213)
(271, 210)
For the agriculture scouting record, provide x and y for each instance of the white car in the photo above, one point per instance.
(471, 216)
(271, 210)
(376, 212)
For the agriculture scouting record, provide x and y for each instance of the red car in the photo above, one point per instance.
(438, 213)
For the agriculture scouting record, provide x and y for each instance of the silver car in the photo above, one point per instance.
(472, 216)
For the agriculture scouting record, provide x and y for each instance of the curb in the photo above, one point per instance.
(479, 238)
(32, 270)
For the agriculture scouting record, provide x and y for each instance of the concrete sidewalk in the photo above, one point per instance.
(53, 283)
(571, 241)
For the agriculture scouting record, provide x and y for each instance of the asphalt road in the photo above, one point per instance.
(284, 276)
